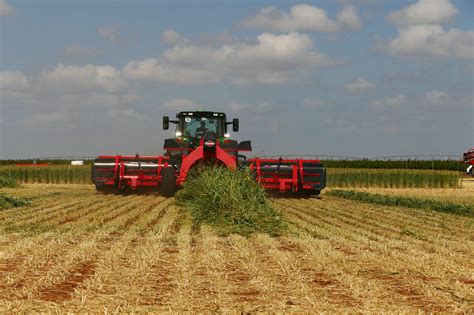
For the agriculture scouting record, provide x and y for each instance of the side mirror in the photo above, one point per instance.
(166, 122)
(235, 125)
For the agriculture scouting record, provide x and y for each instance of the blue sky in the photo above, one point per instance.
(340, 77)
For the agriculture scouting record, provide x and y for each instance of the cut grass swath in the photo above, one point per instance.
(7, 201)
(230, 201)
(400, 201)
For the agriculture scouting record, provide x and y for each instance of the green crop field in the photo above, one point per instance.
(337, 177)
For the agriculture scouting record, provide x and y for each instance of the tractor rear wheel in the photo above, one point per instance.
(307, 193)
(168, 185)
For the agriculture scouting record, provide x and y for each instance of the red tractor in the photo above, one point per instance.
(201, 137)
(469, 160)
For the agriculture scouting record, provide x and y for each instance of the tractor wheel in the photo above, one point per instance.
(168, 185)
(105, 189)
(306, 193)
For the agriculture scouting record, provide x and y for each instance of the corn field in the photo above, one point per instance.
(386, 178)
(57, 174)
(337, 177)
(452, 165)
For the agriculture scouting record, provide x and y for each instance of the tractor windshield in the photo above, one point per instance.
(198, 126)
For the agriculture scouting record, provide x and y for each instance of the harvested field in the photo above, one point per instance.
(74, 249)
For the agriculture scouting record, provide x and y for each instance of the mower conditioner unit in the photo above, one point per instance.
(201, 137)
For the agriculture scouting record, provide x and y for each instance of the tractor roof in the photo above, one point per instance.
(200, 113)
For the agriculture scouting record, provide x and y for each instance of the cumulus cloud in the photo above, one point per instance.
(358, 85)
(5, 8)
(348, 18)
(303, 17)
(13, 80)
(76, 50)
(157, 69)
(424, 12)
(389, 102)
(108, 32)
(62, 94)
(435, 97)
(171, 37)
(272, 59)
(83, 78)
(432, 40)
(420, 32)
(359, 2)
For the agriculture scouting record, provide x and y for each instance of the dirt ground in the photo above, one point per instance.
(77, 250)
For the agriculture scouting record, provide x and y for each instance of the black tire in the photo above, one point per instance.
(168, 185)
(105, 189)
(306, 193)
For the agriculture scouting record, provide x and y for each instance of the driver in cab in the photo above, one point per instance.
(201, 131)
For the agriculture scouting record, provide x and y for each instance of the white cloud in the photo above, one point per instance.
(13, 80)
(420, 32)
(179, 104)
(108, 32)
(360, 84)
(14, 85)
(348, 18)
(171, 37)
(272, 59)
(62, 94)
(159, 70)
(435, 97)
(303, 17)
(83, 78)
(432, 40)
(389, 102)
(5, 8)
(76, 50)
(424, 12)
(359, 2)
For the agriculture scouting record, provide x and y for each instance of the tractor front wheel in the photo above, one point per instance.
(168, 185)
(105, 189)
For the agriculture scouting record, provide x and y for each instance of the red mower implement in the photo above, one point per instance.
(202, 138)
(469, 160)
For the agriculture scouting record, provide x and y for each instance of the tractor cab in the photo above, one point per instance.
(192, 127)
